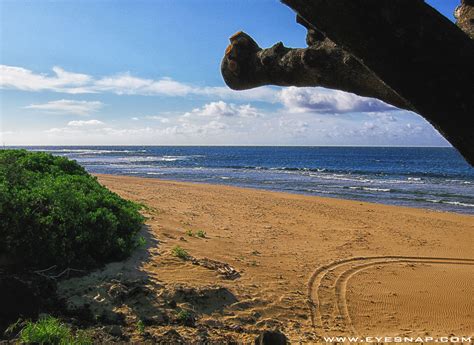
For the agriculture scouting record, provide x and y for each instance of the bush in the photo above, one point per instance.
(53, 212)
(49, 330)
(180, 253)
(140, 327)
(183, 315)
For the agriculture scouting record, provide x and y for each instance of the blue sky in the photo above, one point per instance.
(147, 73)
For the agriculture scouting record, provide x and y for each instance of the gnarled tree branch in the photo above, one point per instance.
(246, 66)
(400, 51)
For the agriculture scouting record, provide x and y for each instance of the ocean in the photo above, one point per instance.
(432, 178)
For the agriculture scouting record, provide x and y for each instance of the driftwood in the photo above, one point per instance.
(225, 270)
(402, 52)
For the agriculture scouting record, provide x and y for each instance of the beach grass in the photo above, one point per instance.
(179, 252)
(50, 330)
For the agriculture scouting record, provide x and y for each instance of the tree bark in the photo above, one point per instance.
(400, 51)
(465, 17)
(247, 66)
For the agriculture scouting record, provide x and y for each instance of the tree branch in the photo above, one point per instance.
(400, 51)
(246, 65)
(465, 17)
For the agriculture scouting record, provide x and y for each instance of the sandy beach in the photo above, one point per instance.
(308, 266)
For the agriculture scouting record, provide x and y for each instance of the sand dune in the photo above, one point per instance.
(309, 266)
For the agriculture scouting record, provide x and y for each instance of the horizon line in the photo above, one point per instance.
(162, 145)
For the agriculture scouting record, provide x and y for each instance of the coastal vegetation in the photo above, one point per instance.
(52, 212)
(50, 330)
(180, 252)
(201, 234)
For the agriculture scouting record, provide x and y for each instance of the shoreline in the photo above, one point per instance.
(424, 177)
(192, 183)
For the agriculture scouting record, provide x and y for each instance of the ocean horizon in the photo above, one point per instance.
(434, 178)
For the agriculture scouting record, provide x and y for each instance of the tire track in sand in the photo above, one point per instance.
(327, 301)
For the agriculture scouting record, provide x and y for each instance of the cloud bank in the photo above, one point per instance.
(223, 109)
(263, 116)
(296, 100)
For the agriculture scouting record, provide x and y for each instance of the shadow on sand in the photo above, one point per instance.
(124, 294)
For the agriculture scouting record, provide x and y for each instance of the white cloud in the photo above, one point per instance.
(223, 109)
(293, 127)
(268, 94)
(161, 119)
(88, 123)
(129, 85)
(12, 77)
(196, 130)
(70, 78)
(82, 131)
(323, 101)
(65, 106)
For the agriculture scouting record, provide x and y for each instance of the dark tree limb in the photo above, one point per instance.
(400, 51)
(246, 66)
(465, 17)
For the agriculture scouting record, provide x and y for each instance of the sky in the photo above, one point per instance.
(103, 72)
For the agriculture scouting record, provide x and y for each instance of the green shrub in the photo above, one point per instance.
(183, 315)
(53, 212)
(141, 242)
(189, 233)
(140, 327)
(180, 252)
(49, 330)
(201, 234)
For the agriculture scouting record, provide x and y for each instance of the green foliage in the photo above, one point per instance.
(53, 212)
(201, 233)
(183, 315)
(49, 330)
(180, 252)
(189, 233)
(141, 242)
(140, 327)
